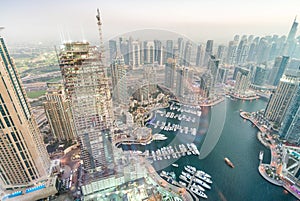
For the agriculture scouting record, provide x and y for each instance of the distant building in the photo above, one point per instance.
(158, 52)
(136, 54)
(24, 160)
(208, 51)
(187, 54)
(182, 74)
(290, 42)
(112, 49)
(294, 64)
(262, 52)
(231, 53)
(221, 53)
(280, 100)
(169, 50)
(242, 52)
(242, 81)
(199, 55)
(180, 51)
(260, 75)
(222, 75)
(207, 85)
(58, 112)
(118, 75)
(170, 70)
(278, 70)
(149, 52)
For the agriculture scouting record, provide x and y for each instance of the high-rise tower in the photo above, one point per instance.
(290, 128)
(208, 51)
(58, 112)
(118, 74)
(278, 70)
(281, 99)
(23, 156)
(87, 88)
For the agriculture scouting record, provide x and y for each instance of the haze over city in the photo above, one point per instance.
(40, 21)
(149, 100)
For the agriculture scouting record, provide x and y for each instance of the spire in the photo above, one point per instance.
(100, 35)
(295, 19)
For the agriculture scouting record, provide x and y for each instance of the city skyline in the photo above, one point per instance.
(198, 20)
(152, 114)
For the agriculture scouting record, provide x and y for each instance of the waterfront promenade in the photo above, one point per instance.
(271, 172)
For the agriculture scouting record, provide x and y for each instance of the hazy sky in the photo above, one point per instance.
(41, 20)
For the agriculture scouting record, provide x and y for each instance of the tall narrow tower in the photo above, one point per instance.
(23, 156)
(99, 23)
(293, 31)
(87, 88)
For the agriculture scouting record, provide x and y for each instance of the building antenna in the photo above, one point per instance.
(99, 23)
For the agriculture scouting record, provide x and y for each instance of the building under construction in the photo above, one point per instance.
(86, 87)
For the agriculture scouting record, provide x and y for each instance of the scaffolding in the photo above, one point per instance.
(87, 88)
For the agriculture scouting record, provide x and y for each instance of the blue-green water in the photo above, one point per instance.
(238, 142)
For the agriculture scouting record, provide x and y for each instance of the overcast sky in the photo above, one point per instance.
(41, 20)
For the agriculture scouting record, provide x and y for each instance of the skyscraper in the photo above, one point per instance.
(242, 52)
(221, 53)
(136, 54)
(112, 49)
(187, 54)
(281, 99)
(23, 156)
(86, 86)
(181, 81)
(231, 53)
(149, 52)
(158, 52)
(278, 70)
(290, 128)
(242, 81)
(169, 49)
(118, 75)
(58, 112)
(199, 55)
(180, 51)
(260, 74)
(208, 51)
(293, 31)
(170, 70)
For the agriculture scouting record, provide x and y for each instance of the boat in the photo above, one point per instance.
(261, 155)
(201, 176)
(203, 173)
(182, 183)
(159, 137)
(228, 162)
(202, 183)
(187, 175)
(183, 178)
(189, 170)
(199, 193)
(198, 187)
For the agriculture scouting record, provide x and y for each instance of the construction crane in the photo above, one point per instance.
(100, 36)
